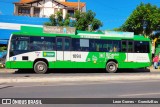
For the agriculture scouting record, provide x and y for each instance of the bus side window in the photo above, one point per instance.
(97, 47)
(116, 46)
(42, 43)
(130, 46)
(141, 47)
(84, 44)
(124, 46)
(59, 44)
(105, 47)
(75, 45)
(21, 45)
(67, 44)
(110, 45)
(115, 49)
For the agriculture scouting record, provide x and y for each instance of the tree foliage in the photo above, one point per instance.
(143, 20)
(82, 20)
(59, 16)
(67, 20)
(4, 48)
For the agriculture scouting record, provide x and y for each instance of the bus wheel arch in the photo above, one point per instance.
(40, 65)
(111, 66)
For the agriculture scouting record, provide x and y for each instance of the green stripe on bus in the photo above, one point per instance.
(68, 64)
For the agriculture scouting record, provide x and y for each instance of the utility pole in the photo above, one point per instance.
(78, 5)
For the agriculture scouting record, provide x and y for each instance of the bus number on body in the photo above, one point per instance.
(76, 55)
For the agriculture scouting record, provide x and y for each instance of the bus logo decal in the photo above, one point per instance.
(94, 58)
(111, 55)
(101, 55)
(37, 54)
(48, 54)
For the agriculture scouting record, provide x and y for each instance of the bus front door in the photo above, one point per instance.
(63, 47)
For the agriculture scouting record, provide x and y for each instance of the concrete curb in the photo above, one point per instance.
(102, 78)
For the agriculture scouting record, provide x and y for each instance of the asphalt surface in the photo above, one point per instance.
(92, 84)
(109, 89)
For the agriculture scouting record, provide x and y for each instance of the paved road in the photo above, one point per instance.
(109, 89)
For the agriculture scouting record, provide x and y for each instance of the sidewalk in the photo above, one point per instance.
(104, 77)
(154, 70)
(80, 78)
(10, 71)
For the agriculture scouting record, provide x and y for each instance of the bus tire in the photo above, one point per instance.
(111, 67)
(40, 67)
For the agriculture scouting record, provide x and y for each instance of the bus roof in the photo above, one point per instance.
(38, 31)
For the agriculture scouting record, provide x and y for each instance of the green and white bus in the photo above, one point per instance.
(35, 49)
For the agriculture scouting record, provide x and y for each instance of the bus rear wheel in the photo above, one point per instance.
(40, 67)
(111, 67)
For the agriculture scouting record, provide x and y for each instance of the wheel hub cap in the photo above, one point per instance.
(40, 67)
(112, 67)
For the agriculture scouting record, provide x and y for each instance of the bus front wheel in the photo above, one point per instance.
(40, 67)
(111, 67)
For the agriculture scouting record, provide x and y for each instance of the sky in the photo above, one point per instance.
(112, 13)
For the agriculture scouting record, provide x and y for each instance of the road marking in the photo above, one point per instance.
(141, 94)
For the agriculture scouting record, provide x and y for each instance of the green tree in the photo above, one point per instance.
(143, 20)
(67, 20)
(82, 20)
(52, 22)
(117, 29)
(4, 48)
(77, 15)
(96, 24)
(59, 16)
(57, 20)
